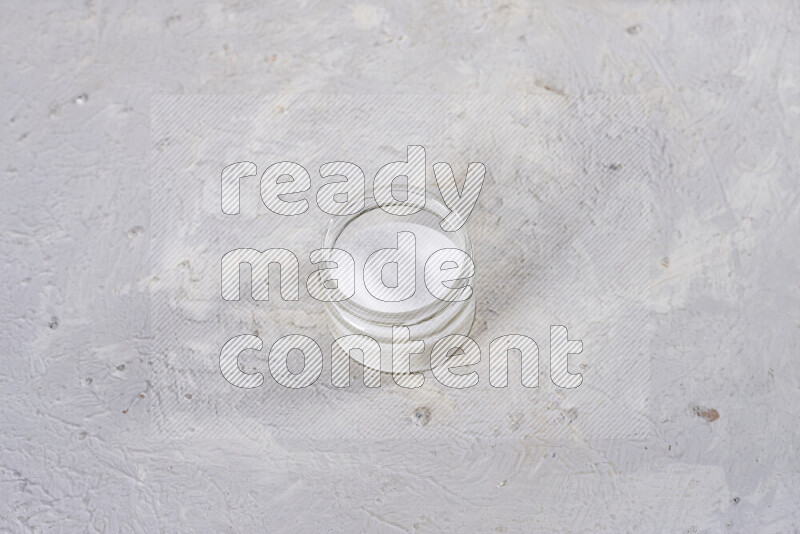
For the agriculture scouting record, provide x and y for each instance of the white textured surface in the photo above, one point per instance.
(723, 81)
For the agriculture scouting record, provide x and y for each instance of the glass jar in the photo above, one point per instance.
(427, 317)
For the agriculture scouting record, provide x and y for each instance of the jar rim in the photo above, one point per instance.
(433, 205)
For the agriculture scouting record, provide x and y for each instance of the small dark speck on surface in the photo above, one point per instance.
(81, 99)
(135, 231)
(188, 395)
(553, 90)
(615, 166)
(121, 367)
(634, 30)
(53, 323)
(422, 416)
(709, 414)
(736, 500)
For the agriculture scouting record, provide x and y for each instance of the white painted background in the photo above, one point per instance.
(723, 81)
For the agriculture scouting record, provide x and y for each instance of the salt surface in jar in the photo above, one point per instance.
(427, 317)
